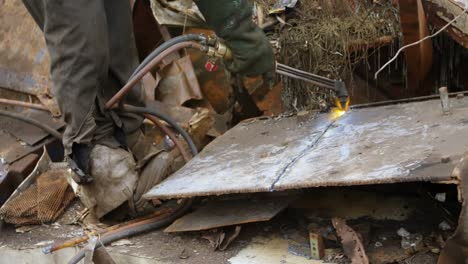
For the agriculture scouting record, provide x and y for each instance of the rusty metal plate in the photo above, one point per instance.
(221, 213)
(248, 158)
(28, 133)
(387, 144)
(178, 83)
(24, 60)
(12, 150)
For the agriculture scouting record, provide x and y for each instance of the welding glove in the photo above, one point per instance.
(232, 21)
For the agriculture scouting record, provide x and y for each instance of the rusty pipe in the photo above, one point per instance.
(138, 76)
(23, 104)
(73, 242)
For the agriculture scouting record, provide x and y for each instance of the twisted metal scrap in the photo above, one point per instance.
(352, 244)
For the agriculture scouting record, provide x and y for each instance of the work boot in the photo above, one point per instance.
(114, 180)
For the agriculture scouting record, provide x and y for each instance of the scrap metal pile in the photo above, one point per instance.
(381, 183)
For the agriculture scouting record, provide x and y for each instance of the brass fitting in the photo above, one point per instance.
(219, 50)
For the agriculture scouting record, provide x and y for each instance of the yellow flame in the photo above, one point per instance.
(339, 110)
(339, 106)
(336, 113)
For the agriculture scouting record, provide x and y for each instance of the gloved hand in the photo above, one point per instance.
(232, 21)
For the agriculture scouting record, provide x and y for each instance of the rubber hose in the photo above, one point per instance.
(164, 46)
(169, 120)
(171, 135)
(33, 122)
(147, 68)
(134, 231)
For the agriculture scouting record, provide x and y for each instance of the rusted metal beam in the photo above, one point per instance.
(419, 57)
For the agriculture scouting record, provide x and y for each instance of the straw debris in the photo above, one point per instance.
(328, 37)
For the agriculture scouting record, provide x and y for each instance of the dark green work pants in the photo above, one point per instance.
(93, 53)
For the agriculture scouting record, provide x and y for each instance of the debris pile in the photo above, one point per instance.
(328, 37)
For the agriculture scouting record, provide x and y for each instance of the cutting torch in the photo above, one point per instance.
(220, 50)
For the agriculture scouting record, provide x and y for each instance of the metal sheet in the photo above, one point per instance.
(12, 150)
(28, 133)
(248, 158)
(386, 144)
(178, 83)
(221, 213)
(24, 60)
(396, 143)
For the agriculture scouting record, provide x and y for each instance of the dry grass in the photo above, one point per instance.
(318, 36)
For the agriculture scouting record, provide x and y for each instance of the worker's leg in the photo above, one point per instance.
(123, 59)
(36, 10)
(76, 38)
(76, 34)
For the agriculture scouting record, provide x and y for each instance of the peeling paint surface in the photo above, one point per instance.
(385, 144)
